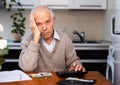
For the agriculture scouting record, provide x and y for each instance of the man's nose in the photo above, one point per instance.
(44, 27)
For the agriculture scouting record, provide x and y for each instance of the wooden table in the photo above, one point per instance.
(100, 80)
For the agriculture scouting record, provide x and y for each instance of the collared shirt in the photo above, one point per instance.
(50, 47)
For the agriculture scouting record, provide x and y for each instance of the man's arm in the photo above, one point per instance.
(73, 61)
(29, 55)
(30, 48)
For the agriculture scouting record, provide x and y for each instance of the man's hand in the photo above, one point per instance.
(34, 29)
(77, 67)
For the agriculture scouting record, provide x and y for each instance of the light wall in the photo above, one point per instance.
(91, 22)
(107, 28)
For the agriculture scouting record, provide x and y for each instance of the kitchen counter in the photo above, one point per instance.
(14, 46)
(78, 46)
(92, 55)
(92, 46)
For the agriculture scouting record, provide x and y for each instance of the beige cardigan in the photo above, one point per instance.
(35, 57)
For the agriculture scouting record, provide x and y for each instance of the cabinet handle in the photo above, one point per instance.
(90, 6)
(15, 5)
(57, 5)
(11, 60)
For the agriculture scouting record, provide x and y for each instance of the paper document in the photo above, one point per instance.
(15, 75)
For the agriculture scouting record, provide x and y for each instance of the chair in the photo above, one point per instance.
(110, 64)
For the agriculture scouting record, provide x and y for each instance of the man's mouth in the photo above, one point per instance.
(44, 34)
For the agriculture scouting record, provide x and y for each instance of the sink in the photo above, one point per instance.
(86, 42)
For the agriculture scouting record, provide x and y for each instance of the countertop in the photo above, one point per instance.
(14, 45)
(92, 46)
(78, 46)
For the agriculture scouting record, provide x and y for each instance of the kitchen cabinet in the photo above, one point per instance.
(93, 56)
(88, 4)
(64, 4)
(94, 60)
(91, 60)
(11, 60)
(27, 4)
(56, 4)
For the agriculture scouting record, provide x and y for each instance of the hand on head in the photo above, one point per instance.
(34, 28)
(77, 67)
(33, 25)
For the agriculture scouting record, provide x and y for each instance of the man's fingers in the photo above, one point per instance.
(71, 69)
(33, 25)
(74, 67)
(31, 19)
(77, 67)
(83, 69)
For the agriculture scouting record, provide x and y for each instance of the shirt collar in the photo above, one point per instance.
(56, 35)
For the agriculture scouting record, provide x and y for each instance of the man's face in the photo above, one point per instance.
(45, 24)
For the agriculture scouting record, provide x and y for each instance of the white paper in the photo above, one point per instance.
(11, 76)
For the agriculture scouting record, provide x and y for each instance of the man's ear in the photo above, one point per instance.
(54, 18)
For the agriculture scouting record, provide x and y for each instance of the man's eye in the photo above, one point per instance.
(38, 24)
(48, 21)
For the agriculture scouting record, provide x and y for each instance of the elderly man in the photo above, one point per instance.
(47, 49)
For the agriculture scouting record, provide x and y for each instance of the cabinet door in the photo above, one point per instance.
(30, 3)
(88, 4)
(92, 54)
(10, 66)
(101, 67)
(13, 54)
(27, 4)
(11, 60)
(94, 60)
(56, 4)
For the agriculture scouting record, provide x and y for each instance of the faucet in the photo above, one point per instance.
(81, 35)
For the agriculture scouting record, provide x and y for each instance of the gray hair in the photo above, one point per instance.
(42, 7)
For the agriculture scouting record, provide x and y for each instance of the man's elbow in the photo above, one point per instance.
(27, 68)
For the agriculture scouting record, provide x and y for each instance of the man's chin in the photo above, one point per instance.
(45, 37)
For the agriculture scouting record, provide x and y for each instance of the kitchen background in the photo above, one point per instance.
(95, 24)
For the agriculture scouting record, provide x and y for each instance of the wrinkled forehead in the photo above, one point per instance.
(42, 16)
(42, 9)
